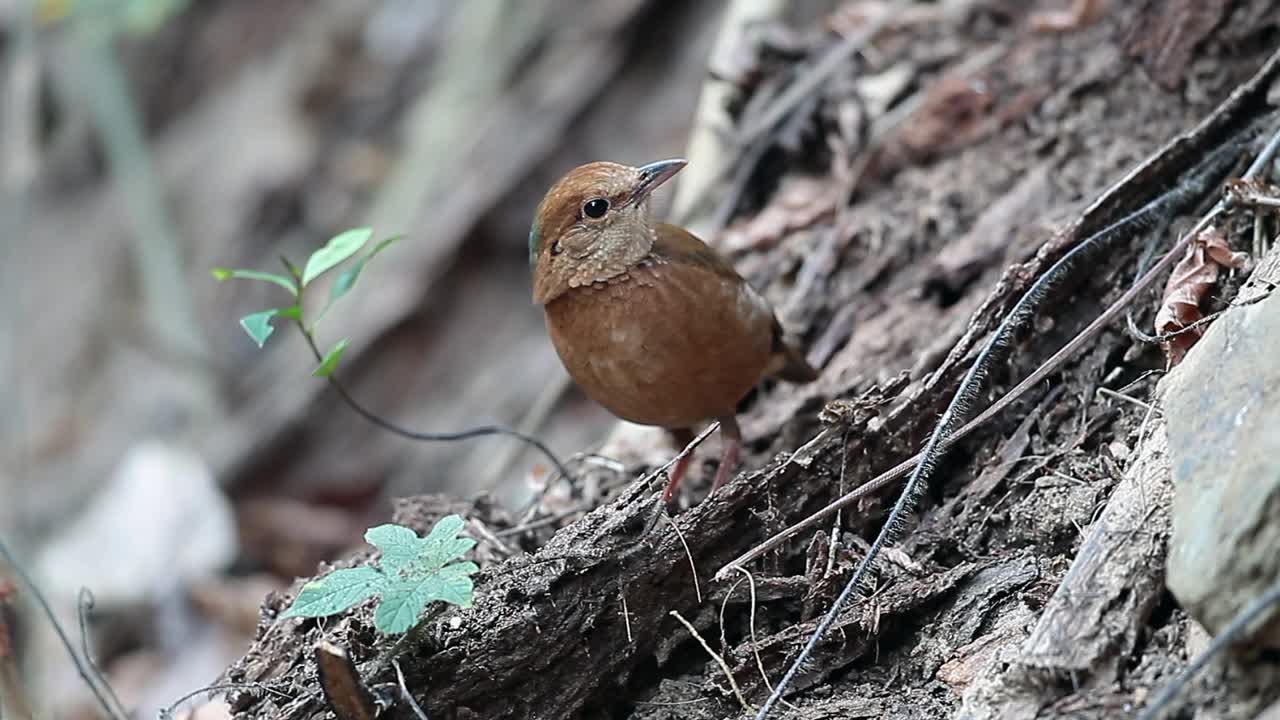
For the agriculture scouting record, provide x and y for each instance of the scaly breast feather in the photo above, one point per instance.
(663, 344)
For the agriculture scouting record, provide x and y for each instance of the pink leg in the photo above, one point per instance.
(730, 443)
(674, 476)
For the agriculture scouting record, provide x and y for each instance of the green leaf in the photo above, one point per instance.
(418, 571)
(399, 545)
(441, 543)
(258, 325)
(339, 248)
(453, 584)
(227, 273)
(412, 572)
(403, 602)
(335, 592)
(146, 16)
(347, 278)
(293, 312)
(400, 607)
(330, 361)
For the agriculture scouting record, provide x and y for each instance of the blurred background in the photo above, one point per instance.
(150, 451)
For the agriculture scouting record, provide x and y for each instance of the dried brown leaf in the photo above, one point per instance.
(956, 106)
(349, 698)
(1192, 279)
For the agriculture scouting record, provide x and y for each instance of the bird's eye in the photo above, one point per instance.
(595, 209)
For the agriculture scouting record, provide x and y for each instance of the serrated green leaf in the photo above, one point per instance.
(337, 591)
(330, 361)
(453, 584)
(339, 248)
(221, 274)
(258, 325)
(440, 546)
(400, 546)
(412, 573)
(446, 528)
(418, 572)
(405, 598)
(400, 607)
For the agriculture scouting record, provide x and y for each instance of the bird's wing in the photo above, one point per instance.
(678, 245)
(681, 246)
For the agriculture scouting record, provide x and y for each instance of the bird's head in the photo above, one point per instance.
(593, 224)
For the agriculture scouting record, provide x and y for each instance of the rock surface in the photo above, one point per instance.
(1223, 406)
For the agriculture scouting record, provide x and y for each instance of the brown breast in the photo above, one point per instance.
(666, 344)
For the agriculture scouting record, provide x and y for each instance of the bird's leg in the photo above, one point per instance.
(682, 438)
(730, 443)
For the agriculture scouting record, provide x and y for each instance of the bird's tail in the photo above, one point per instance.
(788, 362)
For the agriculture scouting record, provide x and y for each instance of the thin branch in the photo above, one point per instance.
(836, 522)
(811, 80)
(85, 603)
(404, 692)
(1207, 319)
(1108, 392)
(479, 431)
(697, 588)
(737, 692)
(626, 617)
(688, 450)
(751, 628)
(250, 687)
(86, 673)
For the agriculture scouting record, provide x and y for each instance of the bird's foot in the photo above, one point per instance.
(676, 474)
(728, 460)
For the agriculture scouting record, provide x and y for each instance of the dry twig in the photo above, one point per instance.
(88, 672)
(737, 692)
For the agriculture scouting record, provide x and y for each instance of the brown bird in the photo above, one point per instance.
(648, 320)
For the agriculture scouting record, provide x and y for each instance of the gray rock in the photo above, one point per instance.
(159, 522)
(1223, 409)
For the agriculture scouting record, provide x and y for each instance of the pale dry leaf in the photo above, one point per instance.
(881, 90)
(853, 17)
(1080, 14)
(1192, 279)
(1251, 192)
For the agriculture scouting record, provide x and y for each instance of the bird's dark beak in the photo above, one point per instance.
(653, 175)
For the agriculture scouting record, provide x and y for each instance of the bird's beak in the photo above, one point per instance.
(653, 175)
